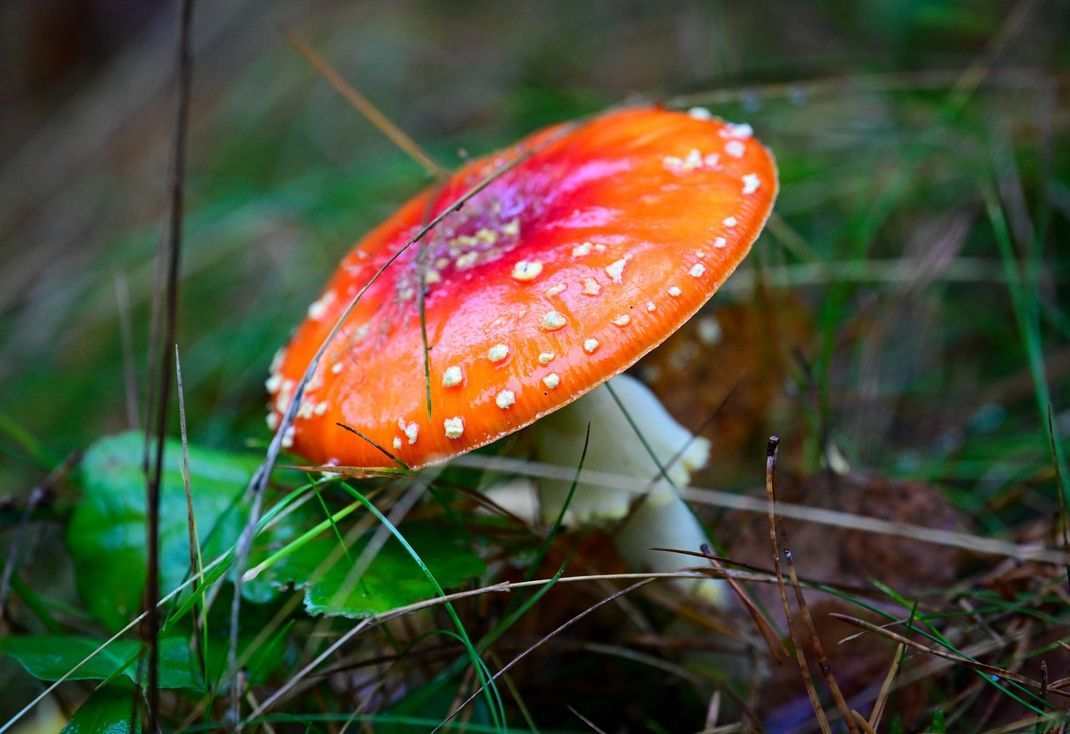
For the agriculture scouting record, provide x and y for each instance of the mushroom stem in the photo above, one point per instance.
(666, 521)
(660, 448)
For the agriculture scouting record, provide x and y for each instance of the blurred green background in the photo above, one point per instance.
(887, 119)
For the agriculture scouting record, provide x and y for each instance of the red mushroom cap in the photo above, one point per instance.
(560, 274)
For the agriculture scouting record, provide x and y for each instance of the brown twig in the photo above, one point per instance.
(777, 650)
(395, 460)
(886, 689)
(800, 656)
(804, 610)
(363, 105)
(815, 644)
(859, 721)
(254, 703)
(1044, 682)
(1056, 687)
(171, 253)
(969, 542)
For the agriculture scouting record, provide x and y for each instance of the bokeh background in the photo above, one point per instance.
(857, 99)
(875, 326)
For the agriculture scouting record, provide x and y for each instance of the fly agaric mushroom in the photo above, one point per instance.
(591, 247)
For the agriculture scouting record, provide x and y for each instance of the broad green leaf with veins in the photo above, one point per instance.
(391, 580)
(107, 539)
(107, 531)
(50, 657)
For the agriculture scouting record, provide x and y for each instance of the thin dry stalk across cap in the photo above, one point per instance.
(592, 246)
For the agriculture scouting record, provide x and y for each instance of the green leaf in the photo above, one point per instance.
(392, 579)
(50, 657)
(107, 711)
(107, 531)
(107, 539)
(267, 657)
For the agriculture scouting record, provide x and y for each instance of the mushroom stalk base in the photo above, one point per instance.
(659, 448)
